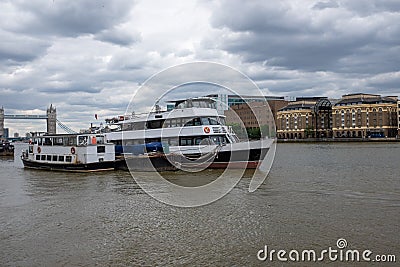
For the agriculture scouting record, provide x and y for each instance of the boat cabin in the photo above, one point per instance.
(70, 148)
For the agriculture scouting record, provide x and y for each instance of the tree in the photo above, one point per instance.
(254, 133)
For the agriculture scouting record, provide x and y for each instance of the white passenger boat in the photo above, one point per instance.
(70, 152)
(192, 134)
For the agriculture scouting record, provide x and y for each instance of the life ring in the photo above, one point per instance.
(30, 141)
(72, 150)
(39, 150)
(207, 129)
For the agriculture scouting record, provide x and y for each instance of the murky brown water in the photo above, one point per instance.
(315, 194)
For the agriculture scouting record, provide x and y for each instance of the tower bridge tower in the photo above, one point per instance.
(51, 120)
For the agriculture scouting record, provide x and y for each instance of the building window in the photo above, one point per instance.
(342, 118)
(287, 122)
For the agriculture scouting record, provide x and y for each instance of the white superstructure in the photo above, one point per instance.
(192, 125)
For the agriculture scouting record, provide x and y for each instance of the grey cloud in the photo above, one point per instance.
(118, 37)
(324, 5)
(388, 82)
(368, 7)
(14, 48)
(69, 18)
(254, 16)
(280, 36)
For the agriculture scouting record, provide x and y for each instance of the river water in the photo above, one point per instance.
(314, 195)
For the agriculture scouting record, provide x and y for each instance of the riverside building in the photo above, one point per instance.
(365, 115)
(398, 116)
(305, 118)
(253, 115)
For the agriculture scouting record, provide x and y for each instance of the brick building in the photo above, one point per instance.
(253, 115)
(365, 115)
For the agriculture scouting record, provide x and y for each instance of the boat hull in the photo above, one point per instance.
(240, 156)
(72, 167)
(239, 159)
(157, 162)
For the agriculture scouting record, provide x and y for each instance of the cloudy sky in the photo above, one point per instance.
(89, 56)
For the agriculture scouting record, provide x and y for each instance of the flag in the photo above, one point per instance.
(95, 116)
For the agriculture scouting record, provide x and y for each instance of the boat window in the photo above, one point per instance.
(58, 141)
(139, 125)
(101, 149)
(54, 158)
(68, 158)
(219, 140)
(47, 142)
(173, 123)
(167, 124)
(61, 158)
(43, 157)
(222, 120)
(205, 121)
(213, 121)
(37, 157)
(173, 141)
(30, 149)
(192, 121)
(186, 142)
(100, 139)
(188, 122)
(185, 104)
(196, 121)
(196, 104)
(48, 158)
(197, 140)
(69, 141)
(215, 140)
(156, 124)
(82, 140)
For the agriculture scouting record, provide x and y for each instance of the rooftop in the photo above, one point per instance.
(353, 99)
